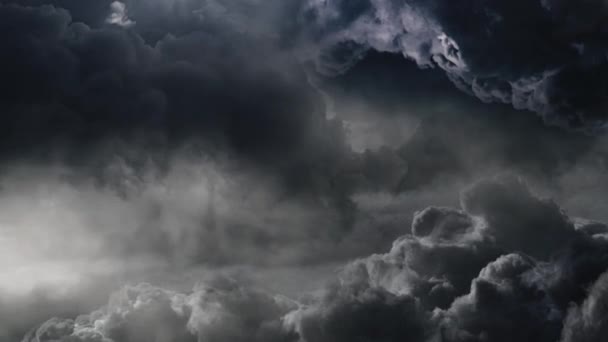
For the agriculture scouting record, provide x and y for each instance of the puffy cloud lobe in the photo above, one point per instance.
(517, 220)
(470, 282)
(500, 299)
(224, 312)
(362, 314)
(441, 223)
(587, 322)
(543, 56)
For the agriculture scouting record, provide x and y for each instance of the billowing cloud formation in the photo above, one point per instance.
(275, 175)
(544, 56)
(506, 259)
(223, 312)
(587, 322)
(71, 82)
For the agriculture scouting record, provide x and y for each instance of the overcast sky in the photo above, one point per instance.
(303, 170)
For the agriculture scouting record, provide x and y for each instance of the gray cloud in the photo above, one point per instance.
(461, 276)
(538, 56)
(470, 278)
(549, 60)
(224, 312)
(587, 322)
(162, 140)
(75, 83)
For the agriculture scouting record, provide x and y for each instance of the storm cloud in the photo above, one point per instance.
(542, 56)
(468, 274)
(217, 161)
(550, 60)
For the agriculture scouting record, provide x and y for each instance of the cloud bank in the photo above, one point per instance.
(161, 140)
(545, 56)
(506, 266)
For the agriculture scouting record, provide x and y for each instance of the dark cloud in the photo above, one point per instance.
(549, 60)
(113, 107)
(539, 56)
(159, 140)
(69, 80)
(500, 299)
(472, 280)
(73, 89)
(440, 133)
(587, 322)
(515, 218)
(92, 13)
(366, 314)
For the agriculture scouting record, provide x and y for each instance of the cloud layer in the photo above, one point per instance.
(163, 140)
(506, 259)
(543, 56)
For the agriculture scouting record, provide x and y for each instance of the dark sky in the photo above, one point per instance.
(303, 170)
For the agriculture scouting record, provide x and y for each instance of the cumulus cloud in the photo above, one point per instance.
(466, 281)
(224, 312)
(459, 276)
(587, 321)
